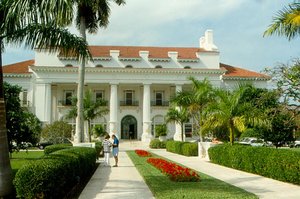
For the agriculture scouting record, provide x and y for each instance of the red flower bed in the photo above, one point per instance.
(174, 171)
(142, 153)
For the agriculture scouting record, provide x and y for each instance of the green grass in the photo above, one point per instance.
(18, 159)
(163, 188)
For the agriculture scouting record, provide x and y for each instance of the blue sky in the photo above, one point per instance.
(238, 27)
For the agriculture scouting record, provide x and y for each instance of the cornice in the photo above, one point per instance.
(19, 75)
(129, 70)
(246, 78)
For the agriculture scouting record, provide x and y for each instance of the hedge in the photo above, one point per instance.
(157, 144)
(56, 147)
(54, 175)
(279, 164)
(182, 148)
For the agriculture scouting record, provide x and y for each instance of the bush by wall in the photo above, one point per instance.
(279, 164)
(55, 174)
(99, 147)
(183, 148)
(56, 147)
(157, 144)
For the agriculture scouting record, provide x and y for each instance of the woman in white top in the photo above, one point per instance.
(106, 149)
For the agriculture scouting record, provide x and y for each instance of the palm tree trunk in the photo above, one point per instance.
(5, 168)
(89, 132)
(80, 90)
(231, 135)
(181, 132)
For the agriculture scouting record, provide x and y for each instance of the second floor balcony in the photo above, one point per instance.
(129, 103)
(160, 103)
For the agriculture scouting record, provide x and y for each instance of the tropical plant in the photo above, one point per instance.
(178, 115)
(90, 16)
(92, 109)
(230, 113)
(196, 100)
(99, 130)
(161, 130)
(37, 25)
(286, 22)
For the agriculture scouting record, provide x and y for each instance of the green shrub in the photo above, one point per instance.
(157, 144)
(161, 130)
(55, 174)
(98, 147)
(190, 149)
(279, 164)
(56, 147)
(182, 148)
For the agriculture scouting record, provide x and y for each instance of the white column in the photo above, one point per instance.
(43, 102)
(177, 135)
(146, 136)
(113, 110)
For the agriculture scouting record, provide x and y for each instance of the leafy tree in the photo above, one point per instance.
(196, 100)
(287, 79)
(22, 126)
(178, 115)
(57, 131)
(99, 130)
(37, 25)
(283, 124)
(91, 109)
(286, 22)
(161, 130)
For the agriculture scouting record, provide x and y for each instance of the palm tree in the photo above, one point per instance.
(91, 14)
(226, 113)
(196, 100)
(91, 109)
(36, 29)
(286, 22)
(178, 115)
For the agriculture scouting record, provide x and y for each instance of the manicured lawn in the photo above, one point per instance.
(20, 158)
(163, 188)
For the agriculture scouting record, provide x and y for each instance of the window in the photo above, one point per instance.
(159, 98)
(128, 97)
(187, 67)
(99, 66)
(68, 65)
(188, 128)
(158, 66)
(99, 95)
(128, 66)
(68, 97)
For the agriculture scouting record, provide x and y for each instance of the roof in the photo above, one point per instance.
(154, 52)
(233, 71)
(18, 68)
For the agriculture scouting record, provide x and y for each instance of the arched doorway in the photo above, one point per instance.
(129, 127)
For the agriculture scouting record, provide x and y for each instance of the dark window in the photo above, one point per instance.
(158, 98)
(128, 66)
(68, 97)
(158, 66)
(99, 66)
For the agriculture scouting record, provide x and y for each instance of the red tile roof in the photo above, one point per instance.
(19, 68)
(233, 71)
(154, 52)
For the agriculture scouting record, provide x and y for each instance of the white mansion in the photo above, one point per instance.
(137, 82)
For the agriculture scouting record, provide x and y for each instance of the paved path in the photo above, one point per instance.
(122, 182)
(125, 182)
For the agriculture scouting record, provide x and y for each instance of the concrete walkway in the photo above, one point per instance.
(125, 182)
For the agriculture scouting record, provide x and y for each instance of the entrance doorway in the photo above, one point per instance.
(129, 127)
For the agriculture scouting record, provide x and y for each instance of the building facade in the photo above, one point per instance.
(138, 83)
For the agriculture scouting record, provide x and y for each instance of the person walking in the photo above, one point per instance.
(115, 149)
(106, 148)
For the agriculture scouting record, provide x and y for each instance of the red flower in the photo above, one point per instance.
(174, 171)
(142, 153)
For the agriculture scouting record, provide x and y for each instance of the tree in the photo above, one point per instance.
(57, 131)
(287, 79)
(37, 25)
(283, 124)
(178, 115)
(22, 126)
(196, 100)
(91, 109)
(91, 15)
(286, 22)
